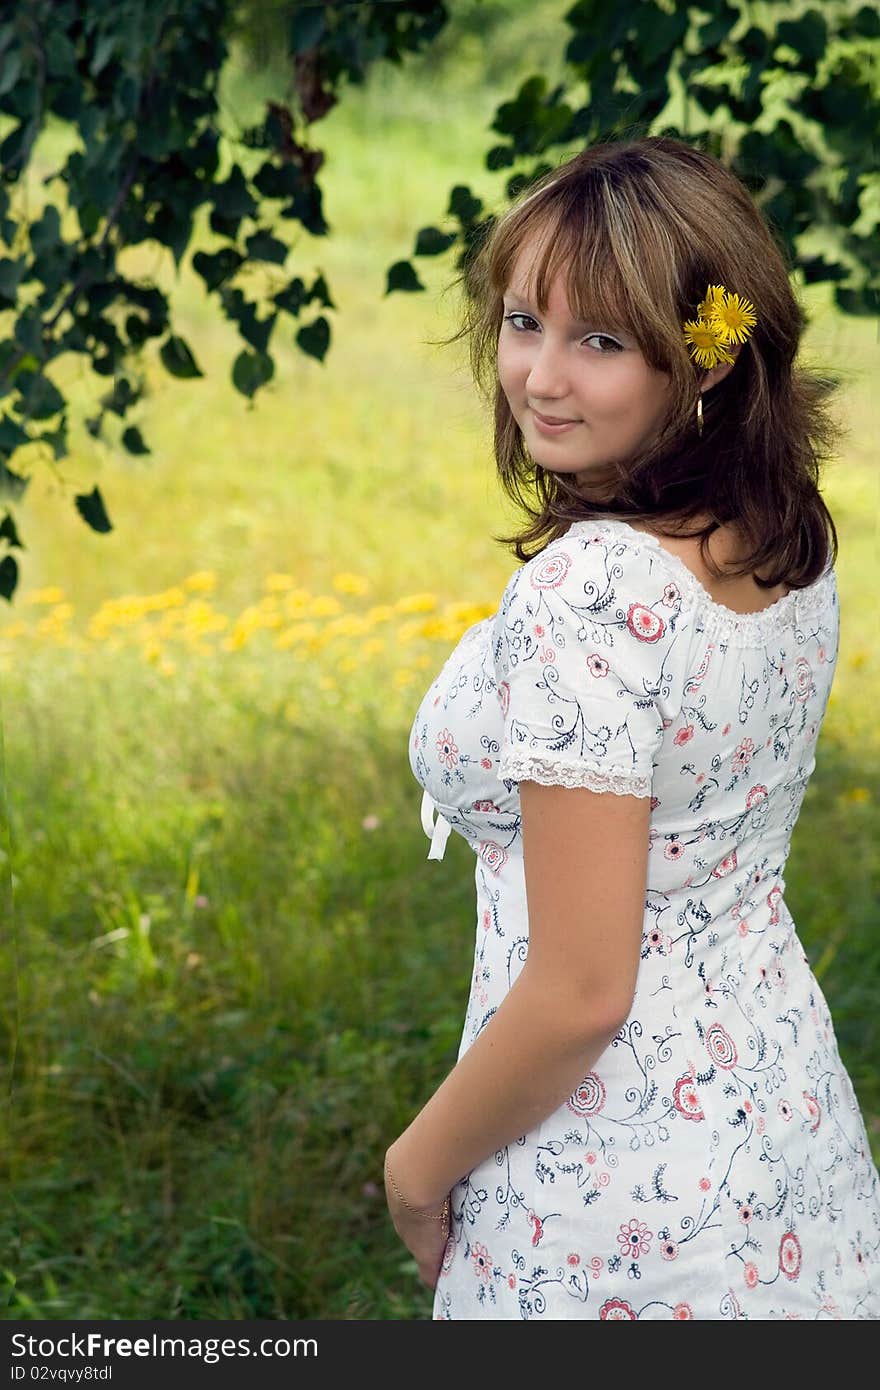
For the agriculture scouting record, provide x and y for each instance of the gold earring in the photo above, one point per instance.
(700, 414)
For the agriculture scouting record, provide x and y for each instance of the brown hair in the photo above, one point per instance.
(639, 229)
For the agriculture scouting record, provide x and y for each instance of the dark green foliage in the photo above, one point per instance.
(250, 371)
(137, 81)
(314, 338)
(91, 508)
(786, 93)
(809, 76)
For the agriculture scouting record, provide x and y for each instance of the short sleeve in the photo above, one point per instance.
(587, 646)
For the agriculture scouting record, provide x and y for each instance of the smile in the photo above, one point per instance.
(547, 425)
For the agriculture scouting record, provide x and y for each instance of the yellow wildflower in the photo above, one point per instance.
(714, 296)
(706, 342)
(735, 316)
(348, 583)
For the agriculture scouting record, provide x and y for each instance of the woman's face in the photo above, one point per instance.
(590, 374)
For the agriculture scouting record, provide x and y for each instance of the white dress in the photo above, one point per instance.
(713, 1163)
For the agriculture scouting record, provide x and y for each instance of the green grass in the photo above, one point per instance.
(232, 975)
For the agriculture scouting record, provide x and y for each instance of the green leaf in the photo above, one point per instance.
(865, 24)
(232, 198)
(430, 241)
(314, 338)
(277, 181)
(463, 204)
(10, 278)
(217, 267)
(12, 484)
(862, 301)
(8, 532)
(500, 157)
(8, 576)
(255, 331)
(136, 330)
(11, 435)
(251, 370)
(808, 35)
(402, 276)
(177, 358)
(262, 246)
(91, 508)
(40, 397)
(133, 441)
(816, 269)
(292, 298)
(320, 292)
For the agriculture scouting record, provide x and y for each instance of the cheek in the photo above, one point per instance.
(634, 399)
(511, 361)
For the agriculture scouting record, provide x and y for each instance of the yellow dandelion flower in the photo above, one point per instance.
(278, 583)
(325, 606)
(706, 342)
(348, 583)
(381, 613)
(201, 581)
(714, 295)
(50, 595)
(416, 603)
(735, 318)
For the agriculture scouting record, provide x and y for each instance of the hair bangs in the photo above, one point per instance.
(568, 233)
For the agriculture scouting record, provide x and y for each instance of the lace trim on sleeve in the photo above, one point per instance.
(525, 767)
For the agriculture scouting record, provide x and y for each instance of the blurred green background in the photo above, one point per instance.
(233, 975)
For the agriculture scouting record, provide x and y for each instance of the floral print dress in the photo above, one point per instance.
(713, 1162)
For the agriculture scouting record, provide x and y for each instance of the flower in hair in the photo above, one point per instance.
(736, 315)
(722, 318)
(705, 338)
(714, 295)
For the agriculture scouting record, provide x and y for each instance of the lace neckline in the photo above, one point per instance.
(747, 626)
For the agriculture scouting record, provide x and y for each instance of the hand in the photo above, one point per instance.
(423, 1235)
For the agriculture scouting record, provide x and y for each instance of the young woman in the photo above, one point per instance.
(649, 1116)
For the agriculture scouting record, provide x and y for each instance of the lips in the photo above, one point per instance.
(553, 419)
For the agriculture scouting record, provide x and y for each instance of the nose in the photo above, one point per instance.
(548, 376)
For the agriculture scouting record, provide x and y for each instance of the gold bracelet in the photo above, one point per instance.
(431, 1216)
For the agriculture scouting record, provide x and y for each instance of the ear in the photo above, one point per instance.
(716, 374)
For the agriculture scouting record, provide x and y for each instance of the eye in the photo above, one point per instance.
(509, 318)
(614, 344)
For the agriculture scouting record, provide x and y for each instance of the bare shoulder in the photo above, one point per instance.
(726, 548)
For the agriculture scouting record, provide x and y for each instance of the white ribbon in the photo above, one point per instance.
(437, 831)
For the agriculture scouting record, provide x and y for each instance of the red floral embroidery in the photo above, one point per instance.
(790, 1255)
(589, 1097)
(617, 1310)
(481, 1262)
(721, 1047)
(687, 1100)
(644, 623)
(635, 1238)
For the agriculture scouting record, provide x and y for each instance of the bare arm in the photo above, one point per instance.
(586, 857)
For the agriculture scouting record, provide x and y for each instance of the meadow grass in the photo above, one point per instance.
(233, 976)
